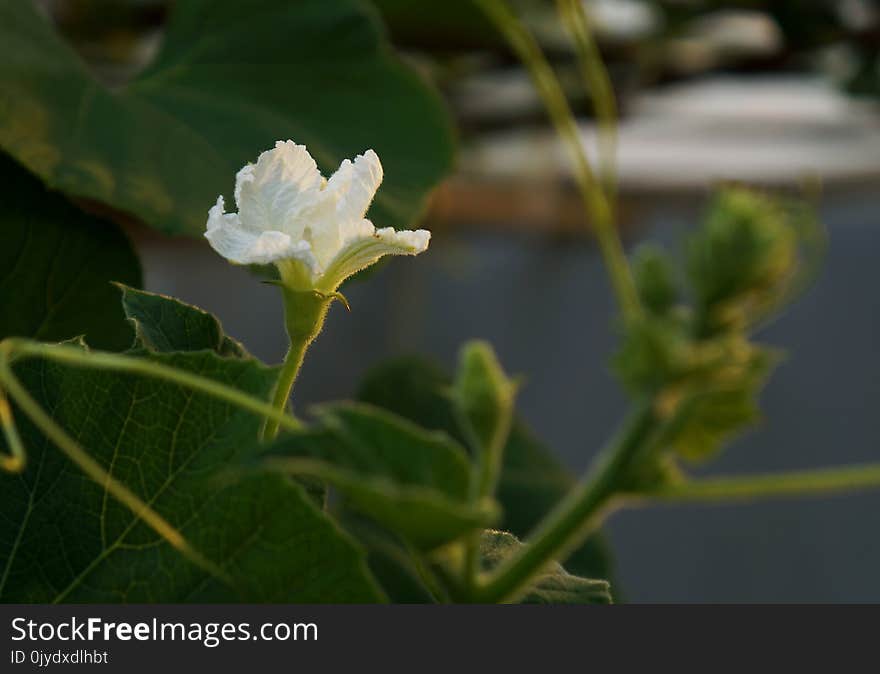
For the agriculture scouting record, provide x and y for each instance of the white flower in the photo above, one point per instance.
(313, 229)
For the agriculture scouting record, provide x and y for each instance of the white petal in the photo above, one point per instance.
(329, 236)
(354, 185)
(361, 252)
(273, 193)
(243, 246)
(340, 217)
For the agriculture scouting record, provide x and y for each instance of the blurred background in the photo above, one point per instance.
(781, 94)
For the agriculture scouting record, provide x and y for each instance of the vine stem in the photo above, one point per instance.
(598, 204)
(601, 91)
(587, 506)
(766, 485)
(575, 517)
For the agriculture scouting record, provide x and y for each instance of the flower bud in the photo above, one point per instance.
(742, 259)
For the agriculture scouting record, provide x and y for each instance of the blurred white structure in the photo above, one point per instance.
(774, 130)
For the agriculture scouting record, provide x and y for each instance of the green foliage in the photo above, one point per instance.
(532, 480)
(56, 264)
(483, 395)
(230, 79)
(553, 586)
(414, 482)
(483, 399)
(64, 538)
(164, 324)
(406, 490)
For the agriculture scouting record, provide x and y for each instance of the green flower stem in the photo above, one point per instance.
(579, 514)
(304, 316)
(289, 370)
(96, 472)
(98, 360)
(768, 485)
(596, 201)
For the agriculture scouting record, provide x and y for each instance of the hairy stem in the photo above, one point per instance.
(578, 515)
(304, 314)
(286, 378)
(596, 201)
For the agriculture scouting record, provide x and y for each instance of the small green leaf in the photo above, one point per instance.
(413, 481)
(554, 586)
(164, 324)
(532, 480)
(484, 396)
(230, 79)
(56, 265)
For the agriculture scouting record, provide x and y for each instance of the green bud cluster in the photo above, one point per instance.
(742, 260)
(690, 350)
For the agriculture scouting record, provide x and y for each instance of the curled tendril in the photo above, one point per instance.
(14, 462)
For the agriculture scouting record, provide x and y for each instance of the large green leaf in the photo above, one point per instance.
(445, 27)
(554, 585)
(64, 538)
(56, 265)
(231, 78)
(412, 481)
(532, 479)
